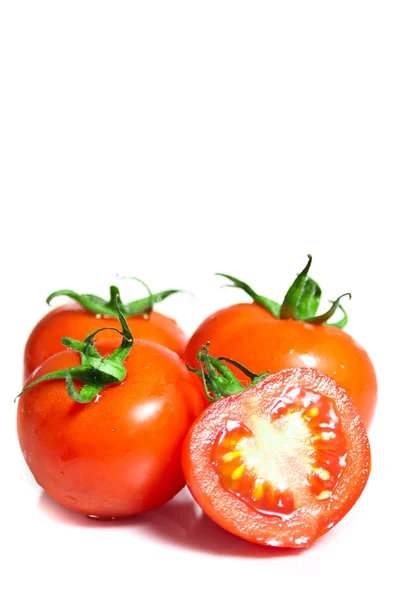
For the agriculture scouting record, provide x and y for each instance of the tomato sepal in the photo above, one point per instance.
(322, 319)
(95, 371)
(301, 301)
(98, 305)
(270, 305)
(218, 380)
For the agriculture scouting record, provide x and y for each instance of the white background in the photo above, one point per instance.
(171, 140)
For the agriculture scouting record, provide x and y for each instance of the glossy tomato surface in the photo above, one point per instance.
(72, 320)
(280, 463)
(118, 455)
(262, 343)
(218, 325)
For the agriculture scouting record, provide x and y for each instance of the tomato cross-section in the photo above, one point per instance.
(279, 463)
(300, 447)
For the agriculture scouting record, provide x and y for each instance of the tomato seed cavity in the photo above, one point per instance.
(277, 461)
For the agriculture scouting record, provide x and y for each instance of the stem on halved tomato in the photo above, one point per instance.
(218, 380)
(301, 302)
(95, 371)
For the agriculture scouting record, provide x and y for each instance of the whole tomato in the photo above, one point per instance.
(88, 312)
(265, 336)
(111, 448)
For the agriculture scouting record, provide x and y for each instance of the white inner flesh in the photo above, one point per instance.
(280, 453)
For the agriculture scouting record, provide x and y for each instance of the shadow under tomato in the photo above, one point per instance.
(182, 523)
(179, 523)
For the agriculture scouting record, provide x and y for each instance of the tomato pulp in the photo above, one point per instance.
(280, 463)
(118, 455)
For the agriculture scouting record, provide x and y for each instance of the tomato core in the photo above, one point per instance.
(282, 458)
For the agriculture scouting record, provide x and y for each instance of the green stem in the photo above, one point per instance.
(327, 315)
(98, 305)
(300, 294)
(269, 305)
(95, 371)
(301, 302)
(218, 380)
(235, 363)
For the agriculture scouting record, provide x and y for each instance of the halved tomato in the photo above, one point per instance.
(281, 462)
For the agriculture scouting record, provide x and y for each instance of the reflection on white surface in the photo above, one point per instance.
(179, 524)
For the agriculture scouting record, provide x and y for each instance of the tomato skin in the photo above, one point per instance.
(308, 522)
(217, 326)
(72, 320)
(273, 344)
(119, 455)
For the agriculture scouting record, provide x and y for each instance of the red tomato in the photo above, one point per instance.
(118, 455)
(74, 321)
(234, 317)
(275, 344)
(280, 463)
(266, 336)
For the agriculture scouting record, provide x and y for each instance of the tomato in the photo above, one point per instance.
(278, 344)
(281, 462)
(77, 319)
(232, 318)
(119, 454)
(74, 321)
(253, 335)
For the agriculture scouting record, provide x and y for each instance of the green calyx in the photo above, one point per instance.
(99, 306)
(301, 302)
(218, 380)
(95, 371)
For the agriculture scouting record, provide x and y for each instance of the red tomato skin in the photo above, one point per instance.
(308, 522)
(217, 326)
(272, 345)
(72, 320)
(119, 455)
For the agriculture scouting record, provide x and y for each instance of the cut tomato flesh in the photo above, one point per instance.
(299, 449)
(281, 462)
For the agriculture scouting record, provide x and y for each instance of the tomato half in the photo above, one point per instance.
(280, 463)
(272, 344)
(118, 455)
(74, 321)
